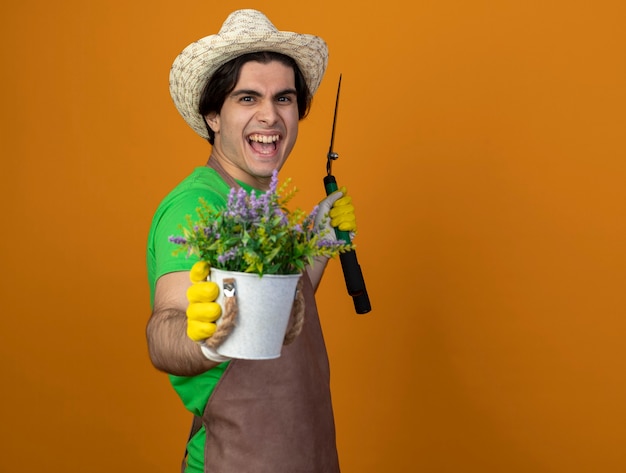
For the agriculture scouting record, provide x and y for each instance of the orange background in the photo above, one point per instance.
(483, 144)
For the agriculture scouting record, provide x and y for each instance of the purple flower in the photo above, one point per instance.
(178, 240)
(263, 204)
(253, 203)
(313, 213)
(227, 256)
(274, 182)
(329, 243)
(231, 197)
(284, 219)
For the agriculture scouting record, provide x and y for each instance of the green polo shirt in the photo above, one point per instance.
(182, 201)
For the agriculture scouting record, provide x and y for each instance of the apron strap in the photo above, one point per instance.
(228, 179)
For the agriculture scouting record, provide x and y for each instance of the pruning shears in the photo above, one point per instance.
(351, 269)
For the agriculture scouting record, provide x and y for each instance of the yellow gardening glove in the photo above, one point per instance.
(336, 210)
(202, 311)
(342, 213)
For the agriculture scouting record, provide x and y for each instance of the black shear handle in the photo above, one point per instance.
(349, 263)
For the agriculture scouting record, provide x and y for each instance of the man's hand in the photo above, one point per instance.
(336, 210)
(202, 311)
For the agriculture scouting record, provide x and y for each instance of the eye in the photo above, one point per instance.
(246, 98)
(286, 99)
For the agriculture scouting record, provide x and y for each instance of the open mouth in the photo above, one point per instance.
(264, 144)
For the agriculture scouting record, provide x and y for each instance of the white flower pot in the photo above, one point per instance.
(264, 309)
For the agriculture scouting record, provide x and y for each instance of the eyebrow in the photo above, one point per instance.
(255, 93)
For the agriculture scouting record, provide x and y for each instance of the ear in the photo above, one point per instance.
(213, 120)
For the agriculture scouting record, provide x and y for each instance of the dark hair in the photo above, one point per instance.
(225, 79)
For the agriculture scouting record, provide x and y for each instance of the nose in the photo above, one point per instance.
(267, 113)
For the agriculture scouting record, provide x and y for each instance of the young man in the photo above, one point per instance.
(245, 90)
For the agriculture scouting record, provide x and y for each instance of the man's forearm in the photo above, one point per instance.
(316, 270)
(171, 350)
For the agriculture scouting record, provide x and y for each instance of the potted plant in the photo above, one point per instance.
(257, 241)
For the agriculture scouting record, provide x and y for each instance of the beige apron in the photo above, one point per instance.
(274, 416)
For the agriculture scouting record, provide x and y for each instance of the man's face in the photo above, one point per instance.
(257, 127)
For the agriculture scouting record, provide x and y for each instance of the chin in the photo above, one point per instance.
(265, 169)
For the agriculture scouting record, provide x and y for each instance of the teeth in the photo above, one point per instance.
(264, 138)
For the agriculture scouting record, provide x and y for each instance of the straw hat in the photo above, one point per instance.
(244, 31)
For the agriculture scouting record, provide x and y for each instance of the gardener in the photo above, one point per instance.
(245, 90)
